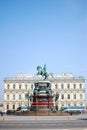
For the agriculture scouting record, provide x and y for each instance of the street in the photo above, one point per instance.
(43, 122)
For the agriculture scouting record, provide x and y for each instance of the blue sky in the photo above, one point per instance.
(38, 32)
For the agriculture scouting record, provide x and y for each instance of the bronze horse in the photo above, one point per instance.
(43, 72)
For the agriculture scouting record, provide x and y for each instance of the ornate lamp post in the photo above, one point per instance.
(56, 100)
(28, 96)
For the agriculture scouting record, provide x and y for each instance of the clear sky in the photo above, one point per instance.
(38, 32)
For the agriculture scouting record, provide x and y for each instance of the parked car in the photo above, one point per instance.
(10, 112)
(21, 109)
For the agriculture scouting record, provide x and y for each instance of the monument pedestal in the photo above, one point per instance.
(42, 102)
(42, 96)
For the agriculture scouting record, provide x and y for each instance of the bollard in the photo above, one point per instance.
(3, 118)
(36, 118)
(68, 118)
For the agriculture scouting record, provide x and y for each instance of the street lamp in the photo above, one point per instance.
(28, 96)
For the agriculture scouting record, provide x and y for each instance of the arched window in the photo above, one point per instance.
(81, 104)
(62, 86)
(56, 86)
(13, 86)
(8, 86)
(74, 96)
(68, 86)
(19, 86)
(7, 97)
(7, 106)
(62, 96)
(19, 97)
(68, 96)
(80, 86)
(81, 96)
(74, 86)
(13, 97)
(13, 106)
(31, 86)
(25, 86)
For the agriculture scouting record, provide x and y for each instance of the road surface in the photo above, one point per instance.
(43, 122)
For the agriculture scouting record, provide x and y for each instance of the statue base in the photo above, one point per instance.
(42, 96)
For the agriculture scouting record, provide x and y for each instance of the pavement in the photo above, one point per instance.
(70, 117)
(73, 122)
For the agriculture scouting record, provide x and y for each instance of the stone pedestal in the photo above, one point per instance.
(42, 97)
(42, 102)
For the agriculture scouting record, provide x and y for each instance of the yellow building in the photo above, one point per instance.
(71, 90)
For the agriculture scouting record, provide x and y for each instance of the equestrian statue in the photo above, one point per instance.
(43, 72)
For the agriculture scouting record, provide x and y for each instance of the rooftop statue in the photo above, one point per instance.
(43, 72)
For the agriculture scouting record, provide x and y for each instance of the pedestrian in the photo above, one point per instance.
(1, 113)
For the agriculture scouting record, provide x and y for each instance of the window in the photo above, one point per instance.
(26, 86)
(13, 106)
(31, 86)
(7, 106)
(74, 96)
(19, 97)
(68, 104)
(68, 86)
(8, 86)
(62, 96)
(56, 86)
(19, 86)
(81, 96)
(7, 97)
(62, 86)
(13, 86)
(68, 96)
(74, 86)
(25, 96)
(13, 97)
(80, 85)
(81, 104)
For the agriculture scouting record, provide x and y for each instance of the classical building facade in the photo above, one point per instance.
(71, 90)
